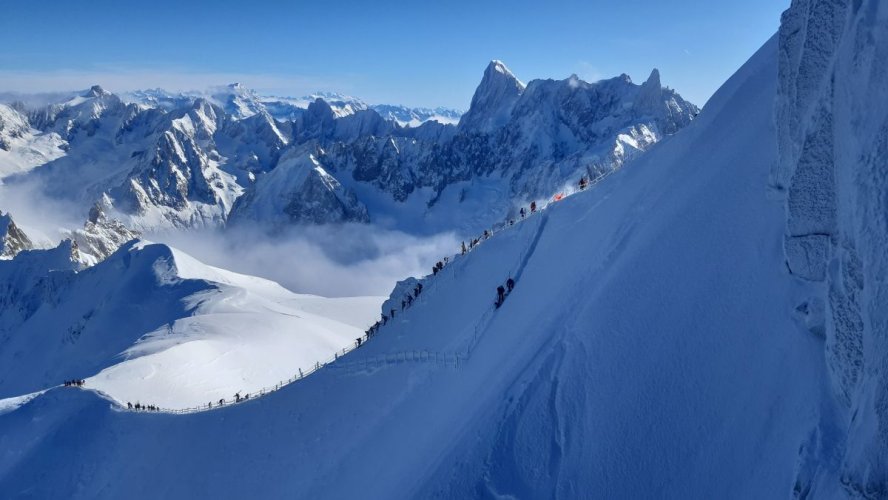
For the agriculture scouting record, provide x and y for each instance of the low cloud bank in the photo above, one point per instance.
(42, 218)
(333, 261)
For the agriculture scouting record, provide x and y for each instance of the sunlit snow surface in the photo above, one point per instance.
(246, 335)
(215, 333)
(648, 350)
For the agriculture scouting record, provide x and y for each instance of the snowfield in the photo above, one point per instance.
(152, 325)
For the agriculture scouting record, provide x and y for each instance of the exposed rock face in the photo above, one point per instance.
(298, 191)
(100, 236)
(832, 116)
(12, 239)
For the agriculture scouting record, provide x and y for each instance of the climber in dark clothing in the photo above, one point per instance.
(464, 248)
(500, 295)
(583, 183)
(384, 319)
(409, 300)
(533, 207)
(510, 284)
(523, 212)
(393, 313)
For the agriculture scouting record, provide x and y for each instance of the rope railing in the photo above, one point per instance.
(447, 359)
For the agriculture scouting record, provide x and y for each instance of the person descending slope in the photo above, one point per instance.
(533, 207)
(523, 212)
(500, 295)
(510, 284)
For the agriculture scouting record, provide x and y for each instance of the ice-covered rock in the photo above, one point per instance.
(100, 236)
(832, 117)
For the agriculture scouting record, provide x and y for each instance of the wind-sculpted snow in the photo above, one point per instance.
(647, 350)
(832, 114)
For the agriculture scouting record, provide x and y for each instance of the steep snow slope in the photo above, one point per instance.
(152, 324)
(647, 350)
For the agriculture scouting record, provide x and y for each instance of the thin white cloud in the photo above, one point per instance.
(588, 72)
(122, 80)
(332, 261)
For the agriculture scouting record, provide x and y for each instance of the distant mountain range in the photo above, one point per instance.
(154, 159)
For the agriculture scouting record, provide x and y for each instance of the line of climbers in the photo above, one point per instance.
(408, 301)
(523, 213)
(75, 383)
(440, 265)
(141, 407)
(503, 292)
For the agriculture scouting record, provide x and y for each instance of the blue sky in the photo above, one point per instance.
(416, 53)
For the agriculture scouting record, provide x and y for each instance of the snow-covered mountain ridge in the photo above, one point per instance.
(243, 102)
(182, 161)
(152, 324)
